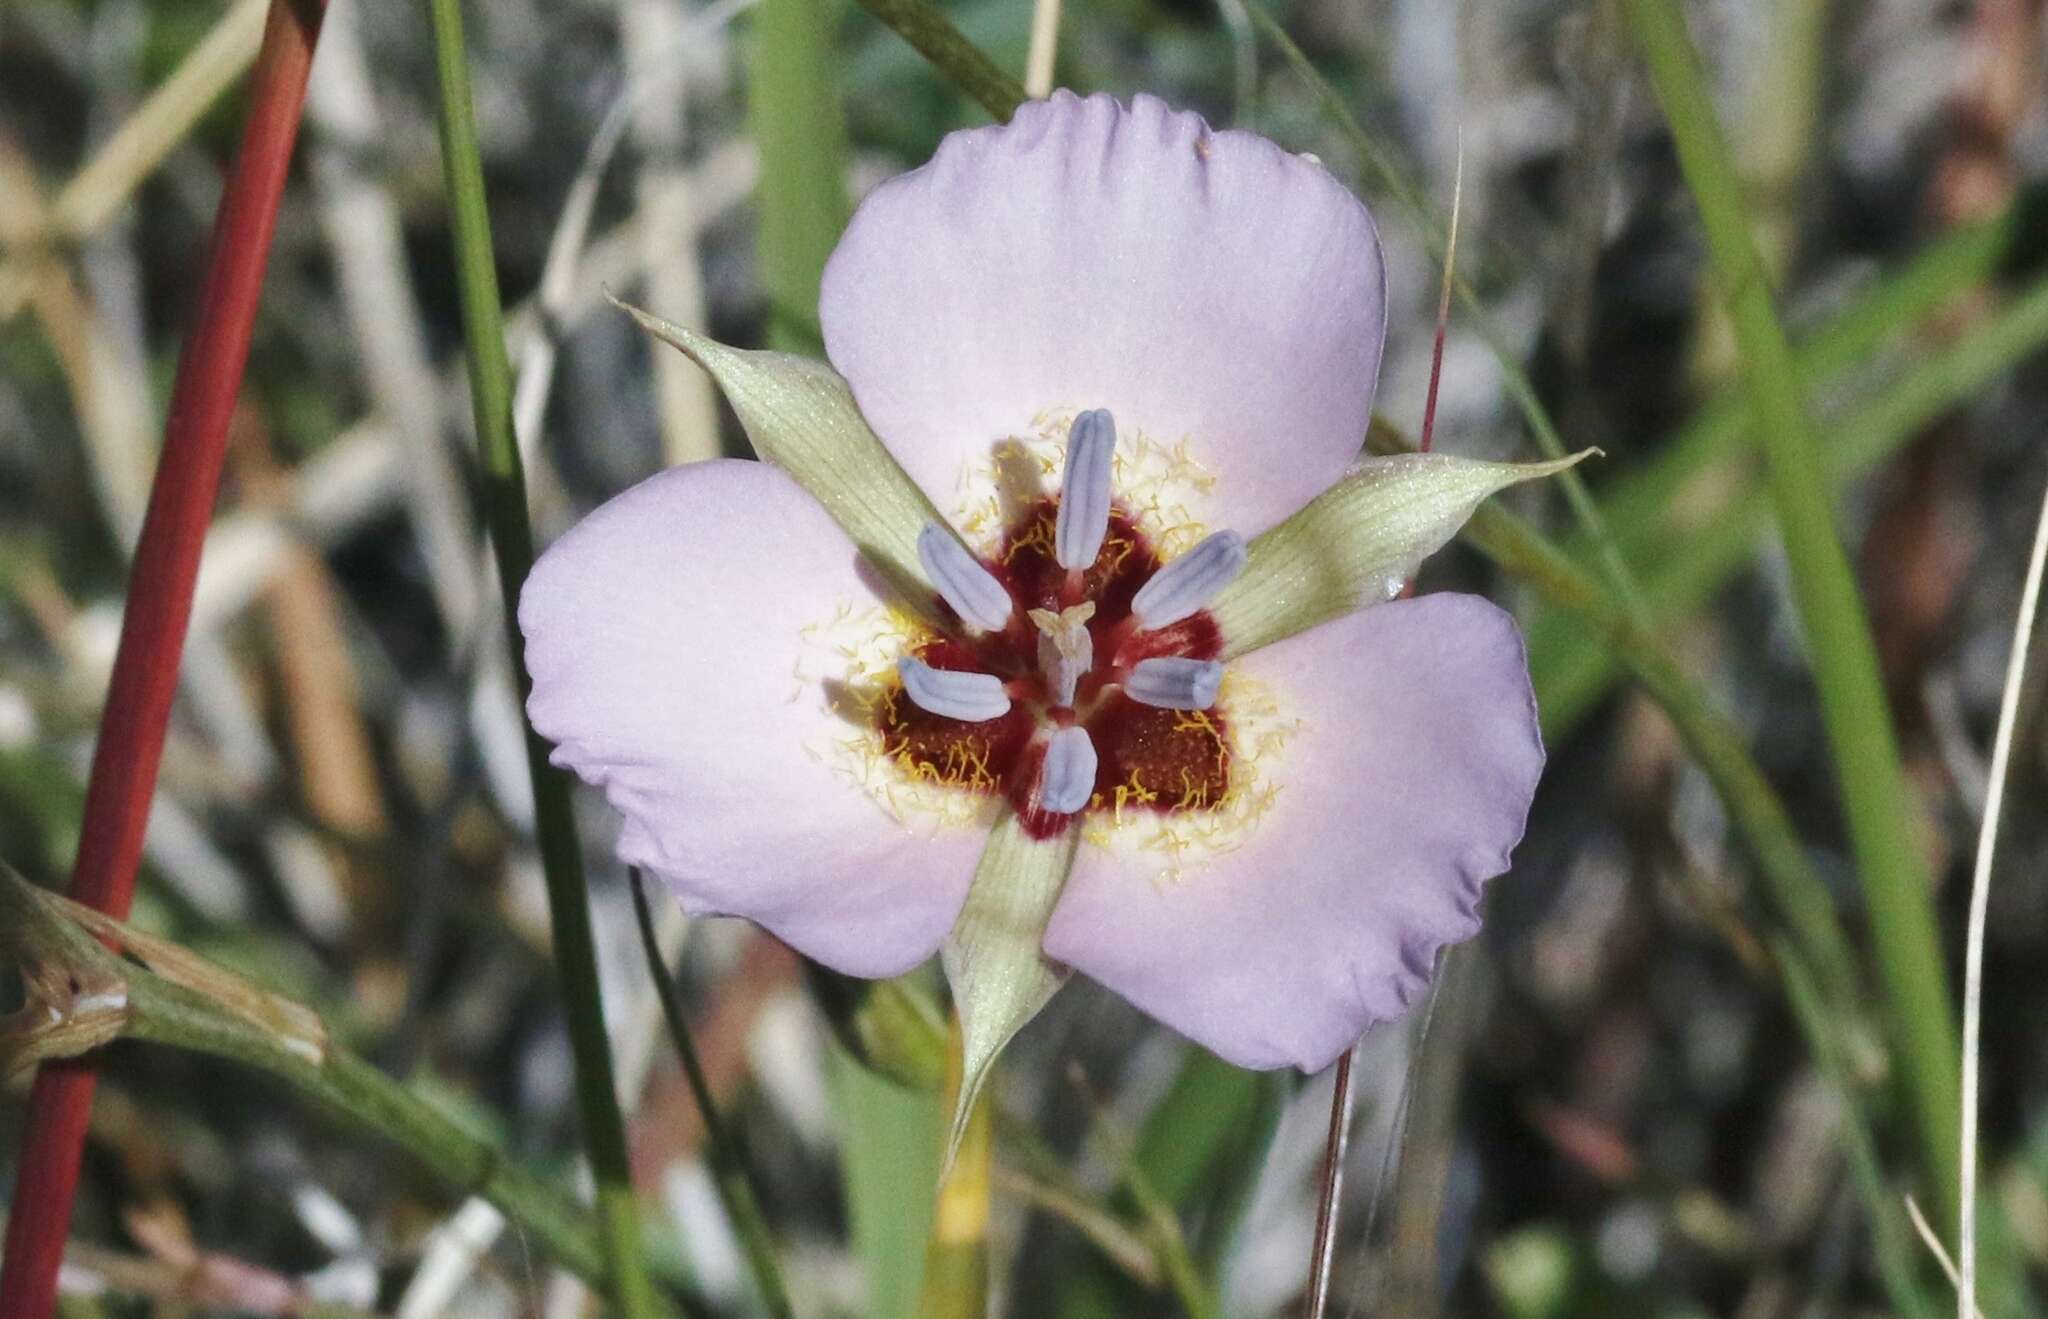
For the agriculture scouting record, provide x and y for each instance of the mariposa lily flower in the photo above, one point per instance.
(1058, 630)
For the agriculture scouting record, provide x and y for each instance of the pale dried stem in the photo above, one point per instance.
(1980, 899)
(321, 696)
(1932, 1241)
(653, 33)
(565, 276)
(1044, 50)
(141, 143)
(359, 474)
(1123, 1247)
(364, 229)
(107, 379)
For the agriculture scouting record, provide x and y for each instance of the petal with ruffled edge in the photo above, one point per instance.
(664, 633)
(1404, 789)
(1200, 285)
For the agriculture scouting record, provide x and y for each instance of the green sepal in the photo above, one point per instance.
(1356, 543)
(801, 417)
(993, 958)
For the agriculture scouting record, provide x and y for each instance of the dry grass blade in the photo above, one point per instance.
(1044, 52)
(148, 135)
(1932, 1241)
(1980, 898)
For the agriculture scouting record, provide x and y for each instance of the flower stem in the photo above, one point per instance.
(153, 625)
(504, 488)
(956, 1257)
(1881, 814)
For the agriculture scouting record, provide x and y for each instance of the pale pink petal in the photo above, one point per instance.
(1200, 285)
(664, 633)
(1405, 788)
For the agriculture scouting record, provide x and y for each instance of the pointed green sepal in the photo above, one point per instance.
(801, 417)
(1357, 542)
(1000, 978)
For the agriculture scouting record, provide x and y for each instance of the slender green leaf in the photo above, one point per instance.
(575, 951)
(1573, 668)
(889, 1152)
(1638, 505)
(1881, 813)
(933, 36)
(1200, 1149)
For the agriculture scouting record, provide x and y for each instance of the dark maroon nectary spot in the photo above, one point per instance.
(1149, 758)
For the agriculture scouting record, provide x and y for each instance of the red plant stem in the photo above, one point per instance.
(1340, 1100)
(159, 607)
(1329, 1189)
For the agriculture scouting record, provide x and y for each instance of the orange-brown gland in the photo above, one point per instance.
(1148, 758)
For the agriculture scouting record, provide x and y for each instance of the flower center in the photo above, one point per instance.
(1079, 672)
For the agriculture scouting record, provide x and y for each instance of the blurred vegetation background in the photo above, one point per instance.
(1668, 1078)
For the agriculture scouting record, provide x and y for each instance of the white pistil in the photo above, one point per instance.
(970, 697)
(1083, 519)
(1175, 683)
(1065, 649)
(1068, 778)
(961, 581)
(1190, 582)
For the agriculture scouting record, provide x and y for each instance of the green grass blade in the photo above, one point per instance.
(1898, 1255)
(1199, 1148)
(1880, 812)
(1637, 505)
(933, 36)
(1574, 669)
(889, 1156)
(504, 488)
(794, 113)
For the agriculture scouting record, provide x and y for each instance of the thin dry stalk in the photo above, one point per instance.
(364, 229)
(109, 393)
(1044, 50)
(1980, 900)
(654, 33)
(317, 685)
(141, 143)
(1930, 1239)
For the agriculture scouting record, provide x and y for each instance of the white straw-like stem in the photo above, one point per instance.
(1045, 40)
(1980, 895)
(1932, 1241)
